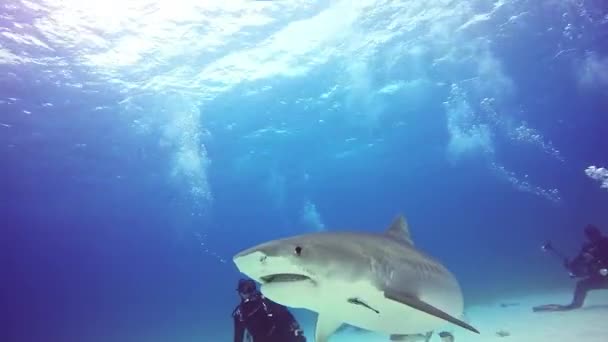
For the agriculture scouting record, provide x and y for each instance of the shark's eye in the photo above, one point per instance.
(298, 250)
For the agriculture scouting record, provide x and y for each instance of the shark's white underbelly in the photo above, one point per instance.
(377, 313)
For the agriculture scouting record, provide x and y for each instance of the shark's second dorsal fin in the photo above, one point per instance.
(399, 230)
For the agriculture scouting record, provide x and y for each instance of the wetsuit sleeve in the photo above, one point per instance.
(239, 329)
(576, 264)
(603, 251)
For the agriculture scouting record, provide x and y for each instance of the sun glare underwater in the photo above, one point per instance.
(377, 169)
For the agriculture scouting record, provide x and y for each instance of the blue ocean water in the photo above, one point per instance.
(143, 143)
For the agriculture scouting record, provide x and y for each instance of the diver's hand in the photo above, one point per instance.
(604, 272)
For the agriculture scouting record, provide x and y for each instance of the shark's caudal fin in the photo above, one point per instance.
(417, 304)
(399, 230)
(326, 325)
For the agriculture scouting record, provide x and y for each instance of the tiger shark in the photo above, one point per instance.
(376, 281)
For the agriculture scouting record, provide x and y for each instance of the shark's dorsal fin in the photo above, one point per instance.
(399, 230)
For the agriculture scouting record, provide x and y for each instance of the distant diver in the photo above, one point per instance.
(262, 319)
(591, 264)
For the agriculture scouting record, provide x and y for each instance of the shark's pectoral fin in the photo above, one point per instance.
(326, 325)
(418, 304)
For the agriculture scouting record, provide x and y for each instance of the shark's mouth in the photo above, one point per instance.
(283, 278)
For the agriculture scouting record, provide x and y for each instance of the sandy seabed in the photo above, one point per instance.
(516, 321)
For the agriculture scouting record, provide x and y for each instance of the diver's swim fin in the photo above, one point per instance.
(550, 307)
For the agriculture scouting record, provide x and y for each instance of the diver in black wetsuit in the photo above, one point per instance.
(591, 264)
(263, 319)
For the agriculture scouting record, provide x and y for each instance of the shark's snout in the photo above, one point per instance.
(267, 269)
(250, 263)
(246, 252)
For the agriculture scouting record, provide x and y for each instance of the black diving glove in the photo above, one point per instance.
(297, 331)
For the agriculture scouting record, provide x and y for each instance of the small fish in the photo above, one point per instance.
(412, 337)
(503, 333)
(446, 336)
